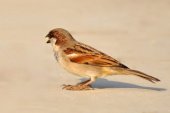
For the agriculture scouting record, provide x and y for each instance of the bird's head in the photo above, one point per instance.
(59, 36)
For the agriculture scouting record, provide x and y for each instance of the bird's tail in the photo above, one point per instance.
(140, 74)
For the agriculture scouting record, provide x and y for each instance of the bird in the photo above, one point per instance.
(86, 61)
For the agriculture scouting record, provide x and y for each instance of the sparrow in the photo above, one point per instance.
(86, 61)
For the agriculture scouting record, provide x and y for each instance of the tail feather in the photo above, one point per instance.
(140, 74)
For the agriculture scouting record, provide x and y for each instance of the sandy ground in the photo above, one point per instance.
(135, 32)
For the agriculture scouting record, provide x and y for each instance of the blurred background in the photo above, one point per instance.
(135, 32)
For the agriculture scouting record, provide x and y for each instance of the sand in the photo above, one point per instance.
(134, 32)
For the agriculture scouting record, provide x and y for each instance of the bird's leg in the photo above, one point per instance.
(81, 86)
(84, 82)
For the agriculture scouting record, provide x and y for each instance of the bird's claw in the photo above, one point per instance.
(77, 87)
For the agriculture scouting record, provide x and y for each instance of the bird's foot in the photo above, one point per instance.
(77, 87)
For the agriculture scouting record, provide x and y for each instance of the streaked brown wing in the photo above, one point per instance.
(84, 54)
(96, 60)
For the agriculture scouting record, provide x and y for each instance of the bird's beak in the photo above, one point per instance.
(47, 39)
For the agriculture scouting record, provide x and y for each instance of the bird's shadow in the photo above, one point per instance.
(102, 83)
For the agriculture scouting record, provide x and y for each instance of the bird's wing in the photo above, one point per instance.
(83, 54)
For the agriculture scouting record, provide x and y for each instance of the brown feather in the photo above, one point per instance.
(87, 55)
(140, 74)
